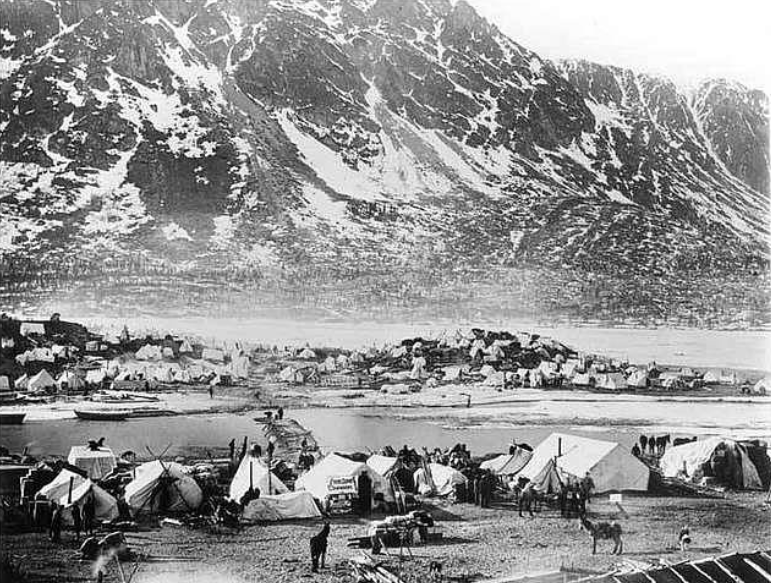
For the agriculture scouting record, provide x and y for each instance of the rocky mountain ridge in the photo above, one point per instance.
(359, 132)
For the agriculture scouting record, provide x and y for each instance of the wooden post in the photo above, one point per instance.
(69, 493)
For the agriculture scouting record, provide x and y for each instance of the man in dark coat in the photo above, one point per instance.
(77, 522)
(56, 524)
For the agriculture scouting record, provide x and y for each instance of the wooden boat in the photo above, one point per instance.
(106, 415)
(12, 418)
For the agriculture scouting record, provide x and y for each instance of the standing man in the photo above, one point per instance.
(77, 522)
(56, 524)
(365, 494)
(587, 487)
(89, 514)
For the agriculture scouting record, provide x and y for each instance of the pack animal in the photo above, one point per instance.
(661, 443)
(319, 548)
(604, 531)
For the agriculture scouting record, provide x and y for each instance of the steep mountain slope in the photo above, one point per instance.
(735, 120)
(383, 132)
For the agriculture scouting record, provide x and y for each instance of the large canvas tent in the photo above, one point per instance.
(96, 463)
(609, 464)
(508, 464)
(287, 506)
(253, 473)
(41, 381)
(548, 480)
(316, 480)
(162, 486)
(58, 491)
(384, 465)
(729, 462)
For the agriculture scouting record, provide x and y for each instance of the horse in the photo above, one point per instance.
(603, 531)
(529, 499)
(683, 440)
(319, 548)
(643, 443)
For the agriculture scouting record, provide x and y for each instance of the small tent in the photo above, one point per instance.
(5, 386)
(59, 491)
(307, 354)
(213, 355)
(446, 479)
(638, 379)
(149, 352)
(762, 387)
(185, 347)
(712, 377)
(252, 472)
(508, 464)
(41, 381)
(286, 506)
(610, 465)
(729, 462)
(22, 383)
(69, 380)
(96, 463)
(95, 376)
(548, 480)
(613, 381)
(162, 486)
(317, 479)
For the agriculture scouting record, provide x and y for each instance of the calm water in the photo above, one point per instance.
(484, 429)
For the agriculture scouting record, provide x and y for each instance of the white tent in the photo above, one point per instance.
(185, 347)
(252, 472)
(497, 379)
(95, 376)
(287, 506)
(692, 456)
(548, 480)
(582, 379)
(762, 387)
(316, 480)
(4, 384)
(712, 377)
(383, 465)
(445, 478)
(307, 354)
(162, 484)
(96, 463)
(508, 464)
(69, 378)
(41, 381)
(613, 381)
(609, 464)
(239, 367)
(638, 379)
(59, 491)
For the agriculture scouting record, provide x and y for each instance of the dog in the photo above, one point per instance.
(319, 548)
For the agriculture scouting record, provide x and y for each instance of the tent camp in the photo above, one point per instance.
(96, 463)
(729, 462)
(508, 464)
(59, 491)
(253, 473)
(41, 381)
(316, 480)
(162, 486)
(609, 464)
(287, 506)
(445, 479)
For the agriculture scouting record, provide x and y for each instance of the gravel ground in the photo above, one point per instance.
(478, 544)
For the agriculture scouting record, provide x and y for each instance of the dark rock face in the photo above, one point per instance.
(274, 132)
(735, 119)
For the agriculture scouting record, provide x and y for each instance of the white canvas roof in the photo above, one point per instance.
(692, 455)
(382, 464)
(445, 478)
(763, 386)
(59, 491)
(316, 480)
(638, 379)
(72, 380)
(612, 381)
(582, 379)
(252, 471)
(609, 464)
(96, 463)
(4, 384)
(143, 493)
(41, 380)
(508, 464)
(287, 506)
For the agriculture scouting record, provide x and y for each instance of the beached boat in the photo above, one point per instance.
(12, 418)
(102, 415)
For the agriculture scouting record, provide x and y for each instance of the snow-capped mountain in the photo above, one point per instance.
(276, 132)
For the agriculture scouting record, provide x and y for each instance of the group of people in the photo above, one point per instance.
(575, 495)
(651, 444)
(83, 519)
